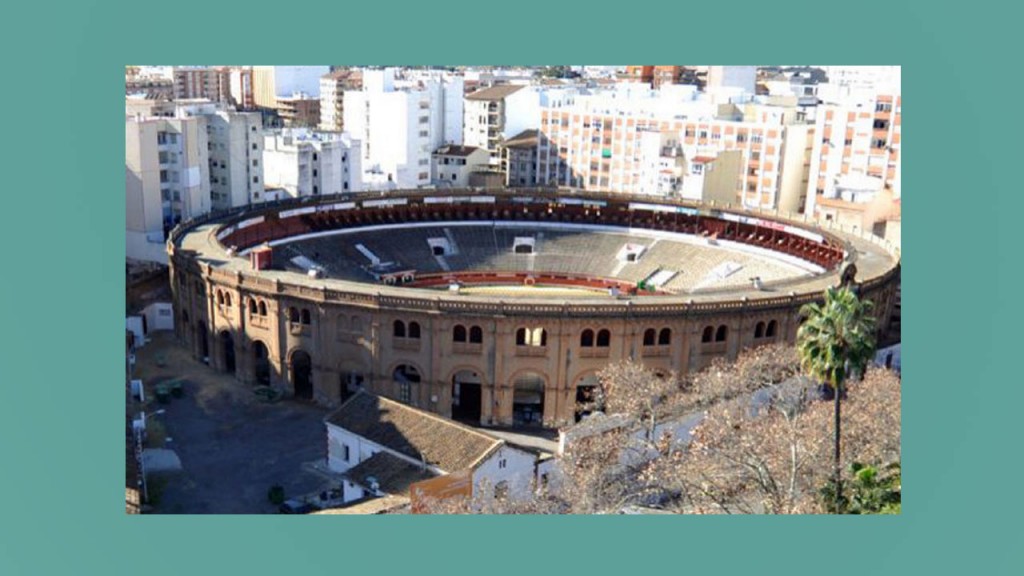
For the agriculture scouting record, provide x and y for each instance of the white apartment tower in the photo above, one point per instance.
(166, 180)
(307, 163)
(234, 146)
(400, 124)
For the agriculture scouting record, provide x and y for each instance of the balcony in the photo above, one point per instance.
(714, 347)
(412, 344)
(601, 352)
(467, 348)
(260, 322)
(531, 351)
(654, 351)
(302, 330)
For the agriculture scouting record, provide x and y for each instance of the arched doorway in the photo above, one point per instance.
(302, 375)
(227, 351)
(586, 396)
(351, 382)
(204, 343)
(406, 377)
(466, 396)
(261, 363)
(528, 399)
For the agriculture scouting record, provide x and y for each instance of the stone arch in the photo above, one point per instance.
(226, 345)
(407, 377)
(261, 363)
(586, 388)
(467, 384)
(203, 340)
(300, 369)
(528, 391)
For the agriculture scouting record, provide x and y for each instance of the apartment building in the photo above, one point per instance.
(519, 158)
(299, 110)
(667, 169)
(857, 144)
(308, 163)
(191, 82)
(234, 146)
(400, 122)
(271, 82)
(496, 113)
(332, 97)
(655, 76)
(241, 88)
(451, 165)
(166, 180)
(595, 142)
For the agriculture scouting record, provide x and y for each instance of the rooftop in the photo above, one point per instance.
(495, 92)
(525, 139)
(393, 475)
(412, 432)
(454, 150)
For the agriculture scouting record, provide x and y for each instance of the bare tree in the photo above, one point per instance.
(777, 460)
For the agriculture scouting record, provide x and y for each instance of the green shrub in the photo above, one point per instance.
(276, 494)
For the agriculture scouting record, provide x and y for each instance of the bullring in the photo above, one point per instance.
(498, 307)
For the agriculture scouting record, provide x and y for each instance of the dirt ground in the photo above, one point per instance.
(233, 447)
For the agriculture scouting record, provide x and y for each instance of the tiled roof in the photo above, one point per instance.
(393, 475)
(495, 92)
(385, 505)
(453, 150)
(525, 139)
(414, 433)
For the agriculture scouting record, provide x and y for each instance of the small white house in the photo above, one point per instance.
(384, 447)
(451, 165)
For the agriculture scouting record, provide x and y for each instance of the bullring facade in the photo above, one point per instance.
(432, 299)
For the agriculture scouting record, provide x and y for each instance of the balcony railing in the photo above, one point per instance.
(405, 343)
(531, 351)
(653, 351)
(467, 347)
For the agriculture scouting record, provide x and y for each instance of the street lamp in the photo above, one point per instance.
(139, 429)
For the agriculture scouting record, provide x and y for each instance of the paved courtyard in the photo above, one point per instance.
(232, 446)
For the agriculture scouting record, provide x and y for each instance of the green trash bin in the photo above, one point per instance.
(177, 389)
(163, 395)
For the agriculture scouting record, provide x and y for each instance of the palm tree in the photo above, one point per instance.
(836, 341)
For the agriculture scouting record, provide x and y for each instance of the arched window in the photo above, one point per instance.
(220, 298)
(459, 333)
(227, 299)
(721, 334)
(476, 335)
(263, 308)
(357, 324)
(253, 309)
(649, 336)
(342, 324)
(604, 338)
(293, 315)
(665, 337)
(773, 327)
(399, 331)
(305, 316)
(709, 334)
(414, 330)
(531, 337)
(759, 330)
(587, 338)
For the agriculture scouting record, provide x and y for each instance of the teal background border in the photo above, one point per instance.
(62, 296)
